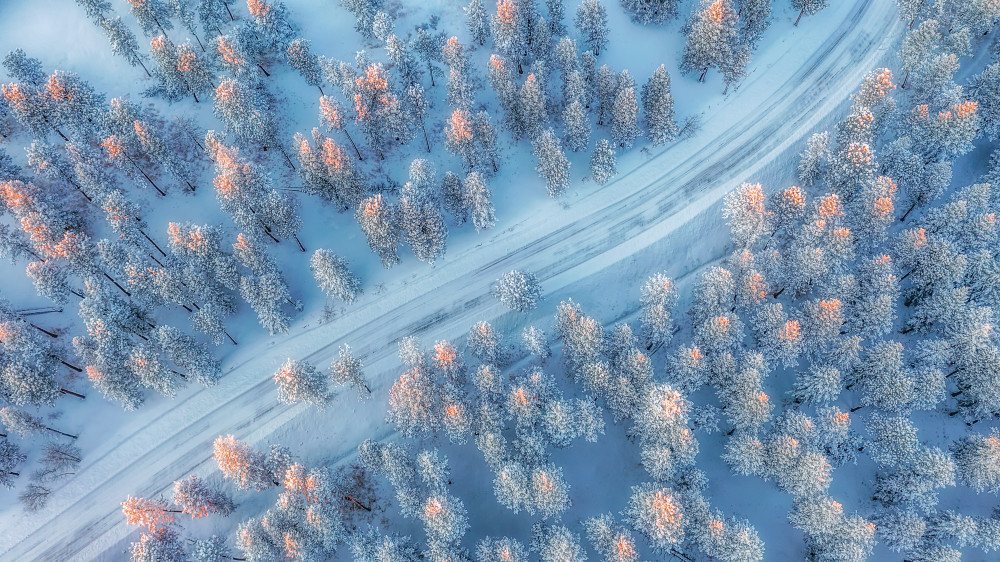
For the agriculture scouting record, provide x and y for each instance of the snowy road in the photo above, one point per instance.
(772, 111)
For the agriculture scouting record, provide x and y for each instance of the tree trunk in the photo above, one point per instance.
(146, 236)
(200, 44)
(262, 69)
(74, 367)
(424, 129)
(356, 502)
(908, 212)
(71, 393)
(281, 149)
(230, 337)
(122, 289)
(138, 60)
(61, 433)
(703, 73)
(297, 241)
(430, 70)
(354, 145)
(800, 17)
(150, 180)
(231, 18)
(43, 330)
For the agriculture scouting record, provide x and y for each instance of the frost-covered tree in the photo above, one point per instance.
(531, 115)
(421, 221)
(658, 108)
(591, 21)
(346, 370)
(477, 21)
(712, 41)
(378, 220)
(162, 544)
(553, 166)
(808, 7)
(518, 290)
(657, 513)
(535, 342)
(556, 542)
(658, 299)
(576, 126)
(300, 57)
(650, 11)
(625, 112)
(603, 164)
(10, 458)
(977, 459)
(298, 381)
(24, 424)
(197, 498)
(123, 42)
(333, 275)
(249, 467)
(477, 200)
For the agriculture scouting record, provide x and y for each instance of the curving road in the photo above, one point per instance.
(755, 126)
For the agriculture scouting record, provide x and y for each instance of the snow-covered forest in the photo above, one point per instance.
(389, 280)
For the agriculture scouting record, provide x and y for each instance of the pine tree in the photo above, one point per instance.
(500, 550)
(24, 424)
(334, 276)
(553, 166)
(658, 514)
(985, 89)
(477, 21)
(650, 11)
(658, 108)
(531, 113)
(591, 20)
(238, 461)
(518, 291)
(712, 40)
(603, 164)
(152, 15)
(196, 498)
(808, 7)
(556, 542)
(378, 220)
(576, 126)
(625, 113)
(756, 15)
(10, 458)
(978, 461)
(477, 199)
(614, 543)
(421, 221)
(346, 370)
(301, 382)
(123, 42)
(159, 545)
(300, 57)
(536, 343)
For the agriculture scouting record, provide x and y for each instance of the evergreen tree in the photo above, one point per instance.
(808, 7)
(756, 15)
(300, 57)
(531, 113)
(196, 498)
(10, 458)
(152, 15)
(576, 126)
(477, 21)
(477, 200)
(518, 291)
(553, 166)
(421, 221)
(301, 382)
(658, 108)
(346, 370)
(591, 20)
(625, 113)
(712, 41)
(334, 276)
(603, 165)
(650, 11)
(378, 220)
(123, 42)
(658, 514)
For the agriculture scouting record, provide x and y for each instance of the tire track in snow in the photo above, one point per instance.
(603, 228)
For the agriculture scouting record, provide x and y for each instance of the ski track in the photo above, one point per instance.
(603, 228)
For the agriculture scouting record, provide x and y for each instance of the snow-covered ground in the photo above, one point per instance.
(594, 245)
